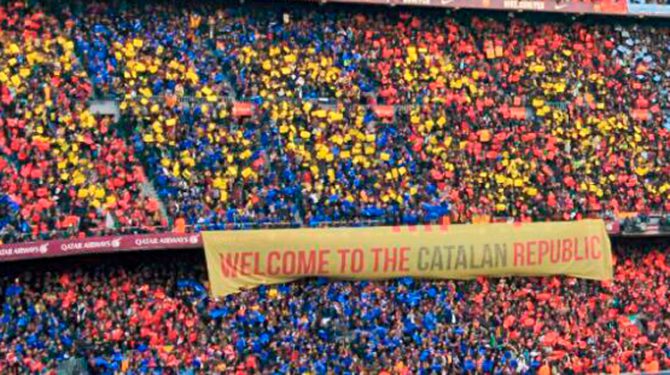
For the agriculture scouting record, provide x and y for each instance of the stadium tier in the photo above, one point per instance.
(353, 116)
(124, 118)
(148, 314)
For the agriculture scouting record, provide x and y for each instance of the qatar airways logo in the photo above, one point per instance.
(171, 240)
(416, 2)
(113, 243)
(524, 4)
(24, 250)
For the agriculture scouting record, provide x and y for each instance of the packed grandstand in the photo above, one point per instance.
(228, 116)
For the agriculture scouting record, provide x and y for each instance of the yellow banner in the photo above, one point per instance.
(239, 260)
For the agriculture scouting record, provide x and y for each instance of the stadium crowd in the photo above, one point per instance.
(62, 169)
(523, 117)
(512, 117)
(147, 314)
(504, 117)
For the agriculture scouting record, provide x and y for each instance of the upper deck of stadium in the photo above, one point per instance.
(143, 117)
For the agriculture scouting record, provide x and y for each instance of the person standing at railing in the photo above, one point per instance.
(179, 225)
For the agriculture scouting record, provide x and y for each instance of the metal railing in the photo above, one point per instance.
(72, 233)
(189, 100)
